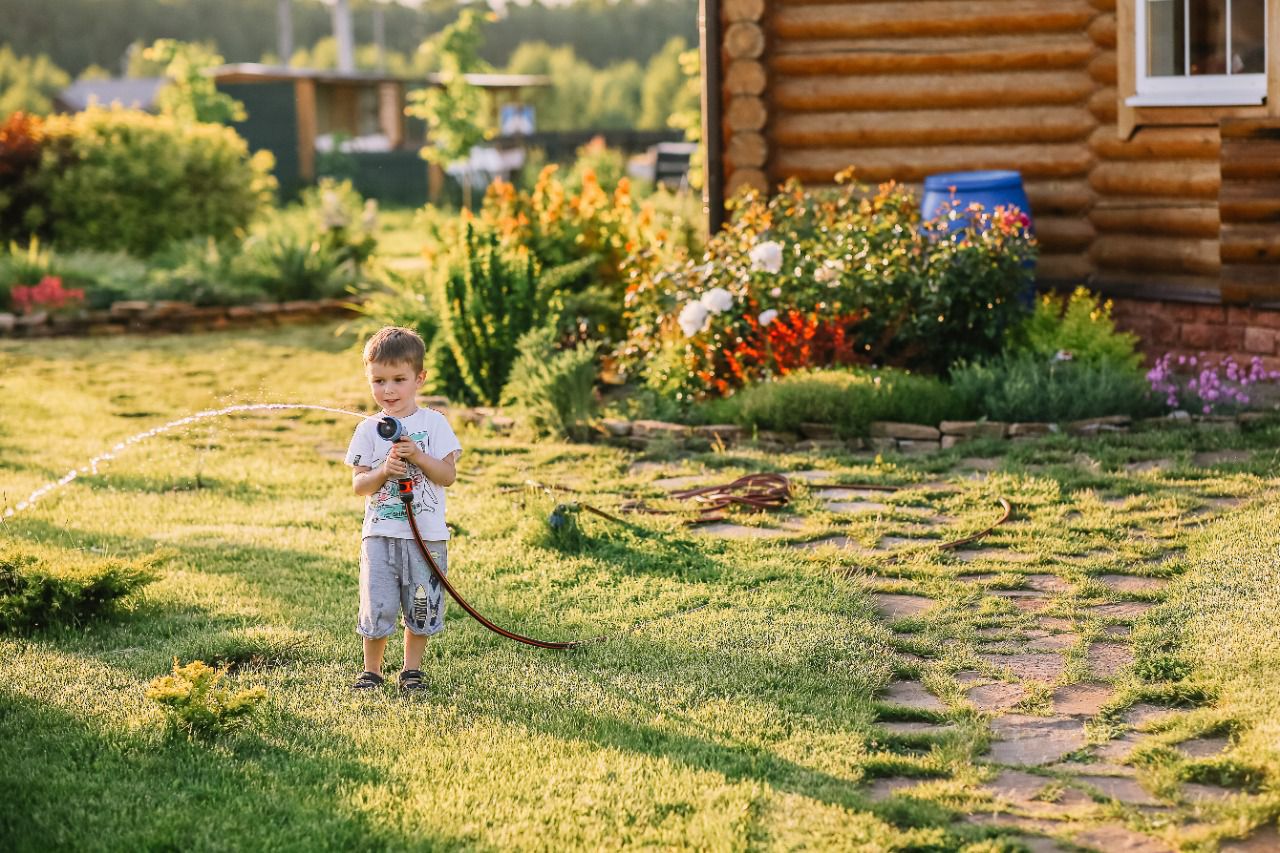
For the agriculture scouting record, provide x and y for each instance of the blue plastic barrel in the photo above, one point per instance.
(990, 189)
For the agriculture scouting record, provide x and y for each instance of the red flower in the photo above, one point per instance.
(48, 295)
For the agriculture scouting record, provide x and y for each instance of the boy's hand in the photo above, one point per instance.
(407, 449)
(394, 467)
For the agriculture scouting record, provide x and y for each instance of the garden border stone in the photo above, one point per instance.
(167, 316)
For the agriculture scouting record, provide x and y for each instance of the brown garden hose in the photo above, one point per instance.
(754, 491)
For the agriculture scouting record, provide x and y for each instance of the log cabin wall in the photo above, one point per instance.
(1124, 199)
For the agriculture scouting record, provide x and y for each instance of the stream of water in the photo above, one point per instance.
(91, 467)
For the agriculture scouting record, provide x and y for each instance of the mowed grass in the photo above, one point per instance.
(743, 717)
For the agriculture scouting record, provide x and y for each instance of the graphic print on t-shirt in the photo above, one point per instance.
(425, 498)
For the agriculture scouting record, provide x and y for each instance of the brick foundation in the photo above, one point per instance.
(1190, 329)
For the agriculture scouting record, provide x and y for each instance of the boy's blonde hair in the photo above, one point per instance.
(395, 345)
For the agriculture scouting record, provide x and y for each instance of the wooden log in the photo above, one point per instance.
(304, 100)
(1157, 285)
(741, 10)
(1104, 105)
(930, 91)
(1102, 68)
(746, 113)
(1250, 128)
(1177, 179)
(920, 56)
(928, 18)
(913, 164)
(1241, 283)
(744, 77)
(744, 40)
(1103, 5)
(933, 127)
(1195, 221)
(1157, 143)
(1102, 30)
(747, 150)
(1250, 244)
(1249, 160)
(1059, 197)
(752, 178)
(1072, 268)
(1059, 234)
(1156, 254)
(1253, 201)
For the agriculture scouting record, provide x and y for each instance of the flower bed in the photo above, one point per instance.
(169, 316)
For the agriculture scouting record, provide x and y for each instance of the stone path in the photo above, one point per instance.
(1050, 643)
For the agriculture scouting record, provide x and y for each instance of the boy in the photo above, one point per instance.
(394, 575)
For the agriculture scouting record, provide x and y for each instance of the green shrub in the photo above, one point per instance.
(288, 265)
(21, 147)
(35, 595)
(103, 276)
(848, 400)
(1025, 387)
(194, 702)
(124, 180)
(1079, 325)
(554, 389)
(205, 272)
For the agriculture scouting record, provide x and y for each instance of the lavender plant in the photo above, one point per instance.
(1207, 385)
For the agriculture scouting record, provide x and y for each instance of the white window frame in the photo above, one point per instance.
(1200, 90)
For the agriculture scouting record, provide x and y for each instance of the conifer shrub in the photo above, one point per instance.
(36, 594)
(197, 704)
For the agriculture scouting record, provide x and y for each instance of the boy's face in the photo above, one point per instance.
(394, 387)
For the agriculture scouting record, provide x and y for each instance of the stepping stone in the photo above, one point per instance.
(1133, 583)
(1149, 465)
(1203, 747)
(996, 698)
(893, 543)
(1037, 667)
(1114, 838)
(1053, 642)
(1124, 610)
(883, 789)
(978, 463)
(1027, 602)
(1003, 819)
(1017, 786)
(1264, 840)
(1079, 768)
(1196, 792)
(1047, 583)
(1119, 631)
(1106, 659)
(842, 494)
(917, 728)
(911, 694)
(856, 507)
(1028, 740)
(895, 606)
(968, 676)
(844, 543)
(1142, 713)
(1221, 457)
(1081, 700)
(730, 530)
(1119, 788)
(1119, 748)
(1055, 623)
(994, 554)
(991, 632)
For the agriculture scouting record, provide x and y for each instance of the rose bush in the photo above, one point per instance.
(815, 278)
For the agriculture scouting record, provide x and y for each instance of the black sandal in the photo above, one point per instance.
(411, 680)
(368, 681)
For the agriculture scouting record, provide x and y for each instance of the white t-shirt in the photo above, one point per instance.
(384, 511)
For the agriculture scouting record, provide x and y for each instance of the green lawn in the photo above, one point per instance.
(758, 721)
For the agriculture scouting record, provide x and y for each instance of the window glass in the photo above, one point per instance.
(1166, 49)
(1248, 37)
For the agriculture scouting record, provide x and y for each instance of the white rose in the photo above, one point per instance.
(768, 316)
(692, 318)
(829, 272)
(717, 300)
(776, 292)
(767, 257)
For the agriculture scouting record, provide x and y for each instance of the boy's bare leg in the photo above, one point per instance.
(414, 646)
(373, 651)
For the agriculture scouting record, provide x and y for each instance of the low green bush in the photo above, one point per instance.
(196, 704)
(1027, 387)
(116, 179)
(1080, 326)
(848, 400)
(204, 272)
(553, 389)
(35, 594)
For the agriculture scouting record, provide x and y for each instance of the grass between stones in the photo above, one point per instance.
(1100, 671)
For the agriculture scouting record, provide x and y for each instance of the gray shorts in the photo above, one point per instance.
(395, 578)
